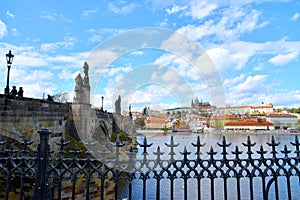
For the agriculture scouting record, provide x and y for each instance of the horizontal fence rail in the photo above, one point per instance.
(98, 173)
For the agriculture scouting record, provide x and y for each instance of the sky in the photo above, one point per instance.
(159, 54)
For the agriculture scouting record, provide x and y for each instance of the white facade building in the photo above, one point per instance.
(283, 120)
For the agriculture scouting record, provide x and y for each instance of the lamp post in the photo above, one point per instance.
(9, 59)
(102, 98)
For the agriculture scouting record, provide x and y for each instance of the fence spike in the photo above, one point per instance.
(285, 151)
(297, 145)
(104, 152)
(249, 146)
(25, 143)
(145, 146)
(224, 145)
(62, 143)
(273, 144)
(261, 151)
(75, 151)
(198, 145)
(211, 152)
(237, 152)
(158, 152)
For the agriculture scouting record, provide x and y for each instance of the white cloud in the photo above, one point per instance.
(159, 4)
(236, 55)
(54, 16)
(233, 81)
(122, 8)
(227, 25)
(34, 82)
(34, 76)
(281, 100)
(98, 35)
(28, 58)
(137, 53)
(283, 59)
(99, 60)
(252, 84)
(67, 74)
(51, 47)
(259, 67)
(233, 54)
(152, 95)
(295, 17)
(164, 22)
(15, 32)
(87, 13)
(180, 65)
(117, 71)
(200, 9)
(9, 14)
(3, 29)
(72, 60)
(175, 9)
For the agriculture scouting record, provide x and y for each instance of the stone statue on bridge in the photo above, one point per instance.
(86, 81)
(82, 87)
(118, 106)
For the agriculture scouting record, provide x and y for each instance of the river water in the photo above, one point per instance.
(185, 140)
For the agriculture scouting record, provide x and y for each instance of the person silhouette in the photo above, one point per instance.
(14, 91)
(20, 92)
(49, 98)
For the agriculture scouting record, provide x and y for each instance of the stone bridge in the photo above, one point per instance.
(20, 116)
(25, 116)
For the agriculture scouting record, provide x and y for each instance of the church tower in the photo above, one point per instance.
(196, 102)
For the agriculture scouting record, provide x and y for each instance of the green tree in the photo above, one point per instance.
(140, 122)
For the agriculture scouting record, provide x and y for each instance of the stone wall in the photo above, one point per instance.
(26, 115)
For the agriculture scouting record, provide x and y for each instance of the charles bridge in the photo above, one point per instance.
(21, 116)
(25, 116)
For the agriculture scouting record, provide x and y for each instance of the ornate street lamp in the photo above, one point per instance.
(102, 98)
(9, 59)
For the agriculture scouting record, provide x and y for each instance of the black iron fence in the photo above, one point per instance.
(101, 174)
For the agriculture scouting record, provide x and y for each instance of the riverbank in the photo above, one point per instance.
(147, 132)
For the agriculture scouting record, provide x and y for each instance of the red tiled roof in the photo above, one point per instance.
(223, 117)
(249, 123)
(155, 120)
(280, 115)
(206, 107)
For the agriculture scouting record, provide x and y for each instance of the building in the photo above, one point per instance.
(262, 110)
(156, 123)
(220, 121)
(180, 111)
(249, 124)
(246, 110)
(202, 108)
(234, 110)
(283, 121)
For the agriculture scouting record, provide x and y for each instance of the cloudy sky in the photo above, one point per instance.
(160, 54)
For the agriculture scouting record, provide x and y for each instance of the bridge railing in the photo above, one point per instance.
(190, 173)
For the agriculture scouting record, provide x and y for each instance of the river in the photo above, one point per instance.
(210, 139)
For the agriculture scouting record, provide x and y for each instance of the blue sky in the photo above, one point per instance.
(253, 48)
